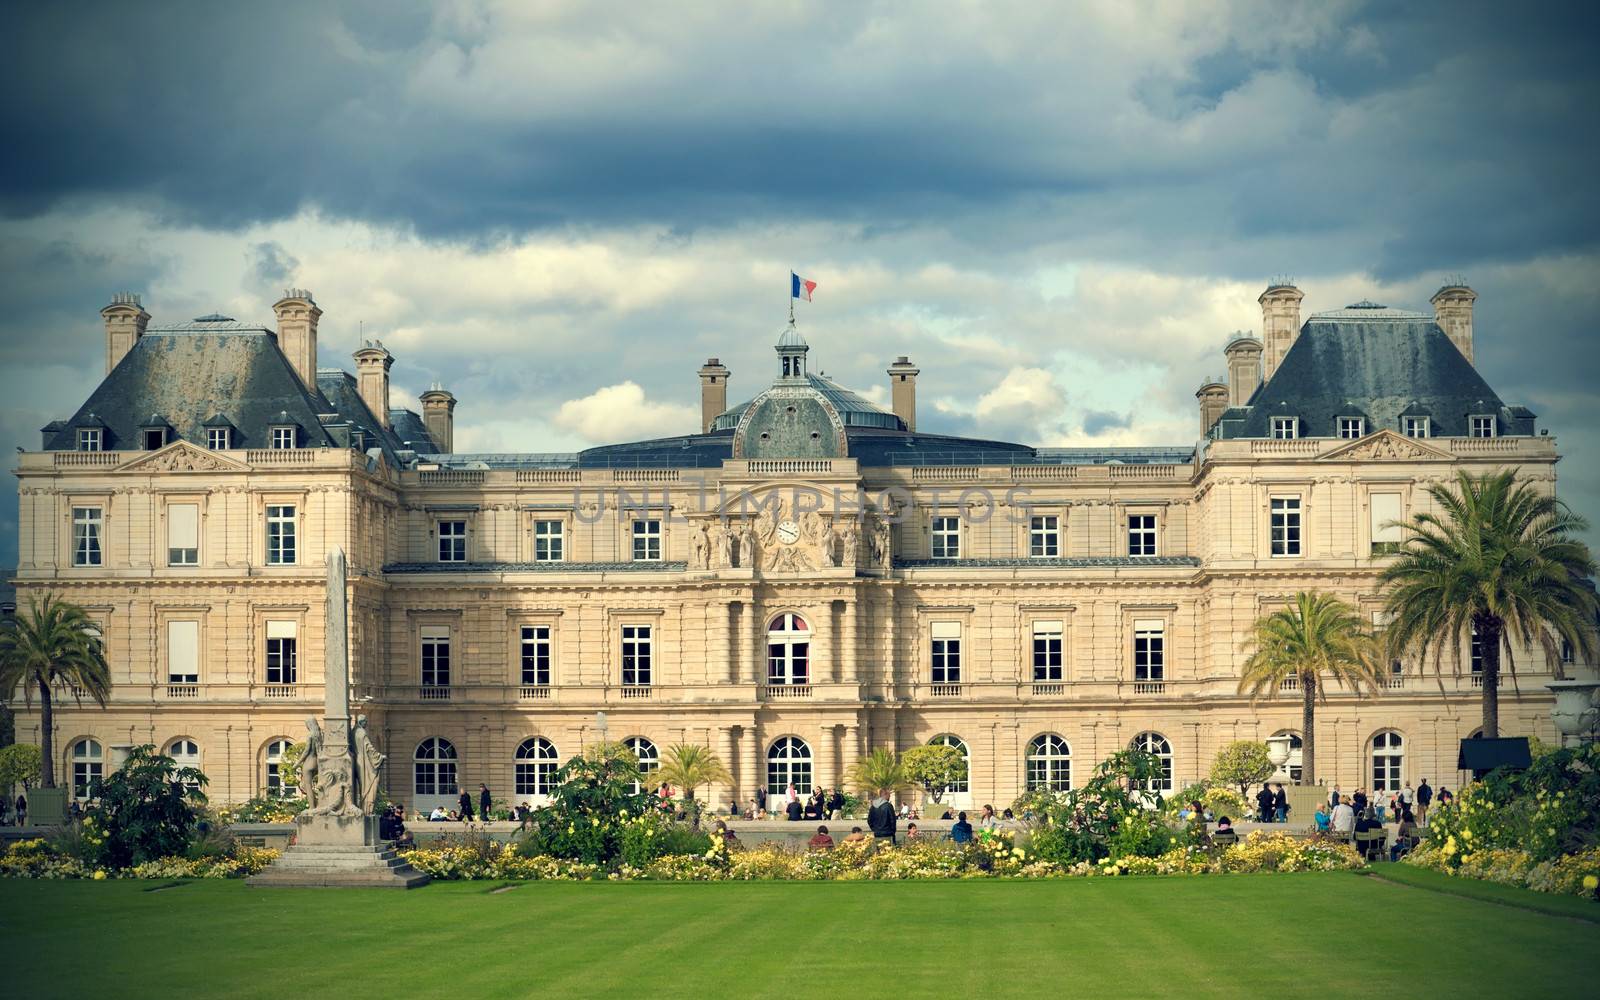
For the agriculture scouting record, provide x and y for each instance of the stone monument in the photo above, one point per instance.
(337, 842)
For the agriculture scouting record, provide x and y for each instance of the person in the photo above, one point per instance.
(22, 809)
(1322, 817)
(453, 816)
(729, 838)
(821, 841)
(811, 809)
(1405, 836)
(525, 816)
(757, 810)
(835, 804)
(911, 832)
(1224, 826)
(1334, 798)
(988, 821)
(1008, 814)
(948, 814)
(1368, 821)
(485, 800)
(1280, 804)
(1408, 799)
(466, 806)
(438, 815)
(856, 836)
(1445, 798)
(1424, 799)
(794, 810)
(1264, 805)
(880, 818)
(961, 833)
(1358, 801)
(1343, 820)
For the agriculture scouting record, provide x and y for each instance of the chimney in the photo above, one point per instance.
(1280, 322)
(1244, 368)
(372, 378)
(1452, 310)
(297, 333)
(903, 390)
(1213, 397)
(713, 392)
(125, 321)
(438, 414)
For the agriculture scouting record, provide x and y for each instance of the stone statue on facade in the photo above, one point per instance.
(747, 545)
(849, 542)
(699, 547)
(883, 542)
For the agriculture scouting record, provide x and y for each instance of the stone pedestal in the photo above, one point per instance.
(340, 851)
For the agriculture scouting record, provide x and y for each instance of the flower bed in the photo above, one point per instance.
(1568, 875)
(36, 859)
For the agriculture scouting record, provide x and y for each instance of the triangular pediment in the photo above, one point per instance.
(1386, 446)
(181, 456)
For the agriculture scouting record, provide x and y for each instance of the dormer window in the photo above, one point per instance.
(219, 438)
(91, 439)
(1481, 425)
(1285, 428)
(283, 437)
(1415, 427)
(1352, 427)
(154, 438)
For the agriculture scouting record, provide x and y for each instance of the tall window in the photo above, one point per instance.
(1044, 536)
(945, 642)
(283, 437)
(433, 768)
(183, 652)
(88, 524)
(963, 786)
(219, 438)
(647, 540)
(1141, 534)
(1474, 653)
(536, 655)
(1416, 427)
(549, 541)
(1286, 428)
(789, 763)
(91, 439)
(1047, 650)
(1388, 758)
(946, 538)
(649, 759)
(638, 655)
(1387, 533)
(1285, 526)
(452, 541)
(185, 753)
(88, 766)
(788, 650)
(283, 653)
(536, 767)
(273, 758)
(183, 534)
(1149, 650)
(280, 535)
(1352, 427)
(1157, 745)
(435, 655)
(1481, 426)
(1049, 764)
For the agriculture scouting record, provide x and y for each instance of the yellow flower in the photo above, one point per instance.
(100, 876)
(1591, 883)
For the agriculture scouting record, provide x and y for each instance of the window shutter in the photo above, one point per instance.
(1046, 628)
(281, 630)
(946, 630)
(1385, 508)
(183, 526)
(1149, 624)
(183, 648)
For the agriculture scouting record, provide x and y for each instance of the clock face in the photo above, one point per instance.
(788, 532)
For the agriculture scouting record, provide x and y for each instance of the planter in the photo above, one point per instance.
(1576, 712)
(1278, 748)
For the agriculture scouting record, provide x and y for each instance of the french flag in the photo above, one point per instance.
(800, 288)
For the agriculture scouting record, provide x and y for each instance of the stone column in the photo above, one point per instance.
(848, 660)
(721, 648)
(751, 775)
(725, 752)
(823, 759)
(822, 643)
(852, 748)
(756, 642)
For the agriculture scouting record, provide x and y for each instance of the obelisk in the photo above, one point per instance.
(336, 656)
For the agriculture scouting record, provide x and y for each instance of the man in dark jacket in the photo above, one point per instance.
(1264, 805)
(485, 800)
(1424, 799)
(466, 807)
(793, 810)
(881, 819)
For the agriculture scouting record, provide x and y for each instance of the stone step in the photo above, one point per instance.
(383, 879)
(336, 861)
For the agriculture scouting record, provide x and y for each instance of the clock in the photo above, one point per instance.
(788, 532)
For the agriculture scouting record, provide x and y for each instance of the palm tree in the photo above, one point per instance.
(54, 644)
(688, 766)
(1317, 639)
(881, 769)
(1501, 560)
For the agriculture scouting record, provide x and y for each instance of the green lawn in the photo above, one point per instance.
(1237, 936)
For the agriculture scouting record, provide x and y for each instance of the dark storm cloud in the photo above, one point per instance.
(269, 264)
(1098, 421)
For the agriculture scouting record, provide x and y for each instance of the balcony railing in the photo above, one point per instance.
(533, 692)
(1477, 681)
(1394, 683)
(1149, 687)
(183, 690)
(1289, 684)
(278, 691)
(434, 692)
(1049, 690)
(637, 691)
(786, 691)
(944, 690)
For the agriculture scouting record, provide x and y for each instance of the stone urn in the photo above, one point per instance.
(1576, 712)
(1278, 748)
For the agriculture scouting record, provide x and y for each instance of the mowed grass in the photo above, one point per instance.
(1272, 935)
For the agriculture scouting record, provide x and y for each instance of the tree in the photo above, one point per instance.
(878, 770)
(689, 766)
(1317, 639)
(1243, 763)
(1500, 560)
(289, 771)
(19, 764)
(55, 644)
(937, 767)
(147, 808)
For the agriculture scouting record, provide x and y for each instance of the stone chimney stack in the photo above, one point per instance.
(438, 415)
(372, 378)
(125, 321)
(1452, 310)
(1280, 322)
(713, 392)
(903, 390)
(297, 333)
(1213, 397)
(1244, 368)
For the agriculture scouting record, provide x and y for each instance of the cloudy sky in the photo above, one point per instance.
(559, 210)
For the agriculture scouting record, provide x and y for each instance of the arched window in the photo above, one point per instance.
(434, 767)
(185, 753)
(950, 740)
(1155, 743)
(649, 760)
(1388, 759)
(276, 789)
(1296, 754)
(1049, 764)
(88, 764)
(788, 650)
(789, 763)
(536, 767)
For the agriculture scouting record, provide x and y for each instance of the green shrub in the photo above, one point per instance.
(591, 805)
(148, 808)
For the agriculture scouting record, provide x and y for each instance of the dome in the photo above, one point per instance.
(852, 408)
(790, 340)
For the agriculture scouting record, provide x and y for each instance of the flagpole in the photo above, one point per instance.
(791, 298)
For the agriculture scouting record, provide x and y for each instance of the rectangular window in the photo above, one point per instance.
(1567, 654)
(1482, 426)
(1149, 650)
(435, 655)
(283, 663)
(452, 541)
(1141, 534)
(1286, 428)
(154, 438)
(280, 535)
(946, 538)
(1475, 652)
(1352, 427)
(1047, 640)
(637, 655)
(1386, 512)
(1044, 536)
(91, 439)
(647, 540)
(88, 525)
(1416, 427)
(946, 645)
(219, 438)
(183, 652)
(536, 655)
(183, 534)
(283, 437)
(549, 541)
(1285, 526)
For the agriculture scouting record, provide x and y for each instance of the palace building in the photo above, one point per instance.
(807, 578)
